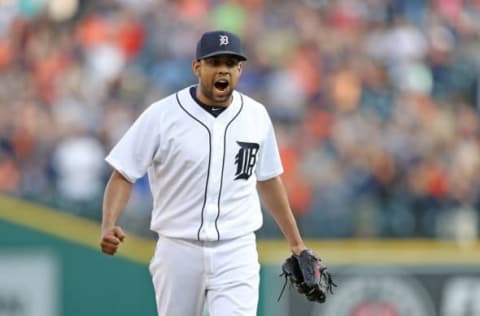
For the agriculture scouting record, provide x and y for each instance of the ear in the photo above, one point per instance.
(196, 67)
(240, 67)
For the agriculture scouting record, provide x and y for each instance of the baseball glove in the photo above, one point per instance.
(309, 275)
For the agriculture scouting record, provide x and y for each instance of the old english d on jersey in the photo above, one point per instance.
(202, 170)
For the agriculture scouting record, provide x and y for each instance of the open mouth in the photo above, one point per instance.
(221, 85)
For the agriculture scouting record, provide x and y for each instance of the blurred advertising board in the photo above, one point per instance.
(426, 290)
(28, 284)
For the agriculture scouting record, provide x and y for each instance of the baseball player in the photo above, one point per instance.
(210, 152)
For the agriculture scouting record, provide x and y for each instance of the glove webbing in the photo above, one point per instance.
(330, 283)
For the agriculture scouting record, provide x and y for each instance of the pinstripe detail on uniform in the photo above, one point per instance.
(209, 159)
(223, 163)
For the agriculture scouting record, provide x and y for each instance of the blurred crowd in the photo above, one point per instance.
(375, 103)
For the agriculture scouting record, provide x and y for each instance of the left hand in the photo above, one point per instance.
(309, 275)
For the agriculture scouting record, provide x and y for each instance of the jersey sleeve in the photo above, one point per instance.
(269, 162)
(134, 152)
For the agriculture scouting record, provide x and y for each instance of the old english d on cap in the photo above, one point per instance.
(219, 43)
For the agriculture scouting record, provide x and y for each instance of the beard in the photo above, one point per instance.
(221, 98)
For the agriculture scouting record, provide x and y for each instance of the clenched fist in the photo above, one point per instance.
(111, 239)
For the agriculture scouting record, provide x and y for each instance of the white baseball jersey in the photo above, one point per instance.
(202, 169)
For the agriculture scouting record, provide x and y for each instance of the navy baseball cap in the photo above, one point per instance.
(219, 43)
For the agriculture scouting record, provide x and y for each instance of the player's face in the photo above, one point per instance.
(217, 77)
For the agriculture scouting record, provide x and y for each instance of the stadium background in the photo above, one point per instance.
(375, 104)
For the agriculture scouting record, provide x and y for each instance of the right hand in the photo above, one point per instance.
(111, 239)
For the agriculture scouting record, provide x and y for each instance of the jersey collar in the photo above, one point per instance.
(190, 105)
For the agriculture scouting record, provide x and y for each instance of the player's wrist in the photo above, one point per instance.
(107, 228)
(297, 249)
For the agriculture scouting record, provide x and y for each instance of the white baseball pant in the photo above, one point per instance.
(223, 274)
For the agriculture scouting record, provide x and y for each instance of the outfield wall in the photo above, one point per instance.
(50, 265)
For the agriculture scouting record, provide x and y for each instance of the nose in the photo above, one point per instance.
(223, 68)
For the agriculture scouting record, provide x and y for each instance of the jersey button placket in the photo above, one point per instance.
(211, 209)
